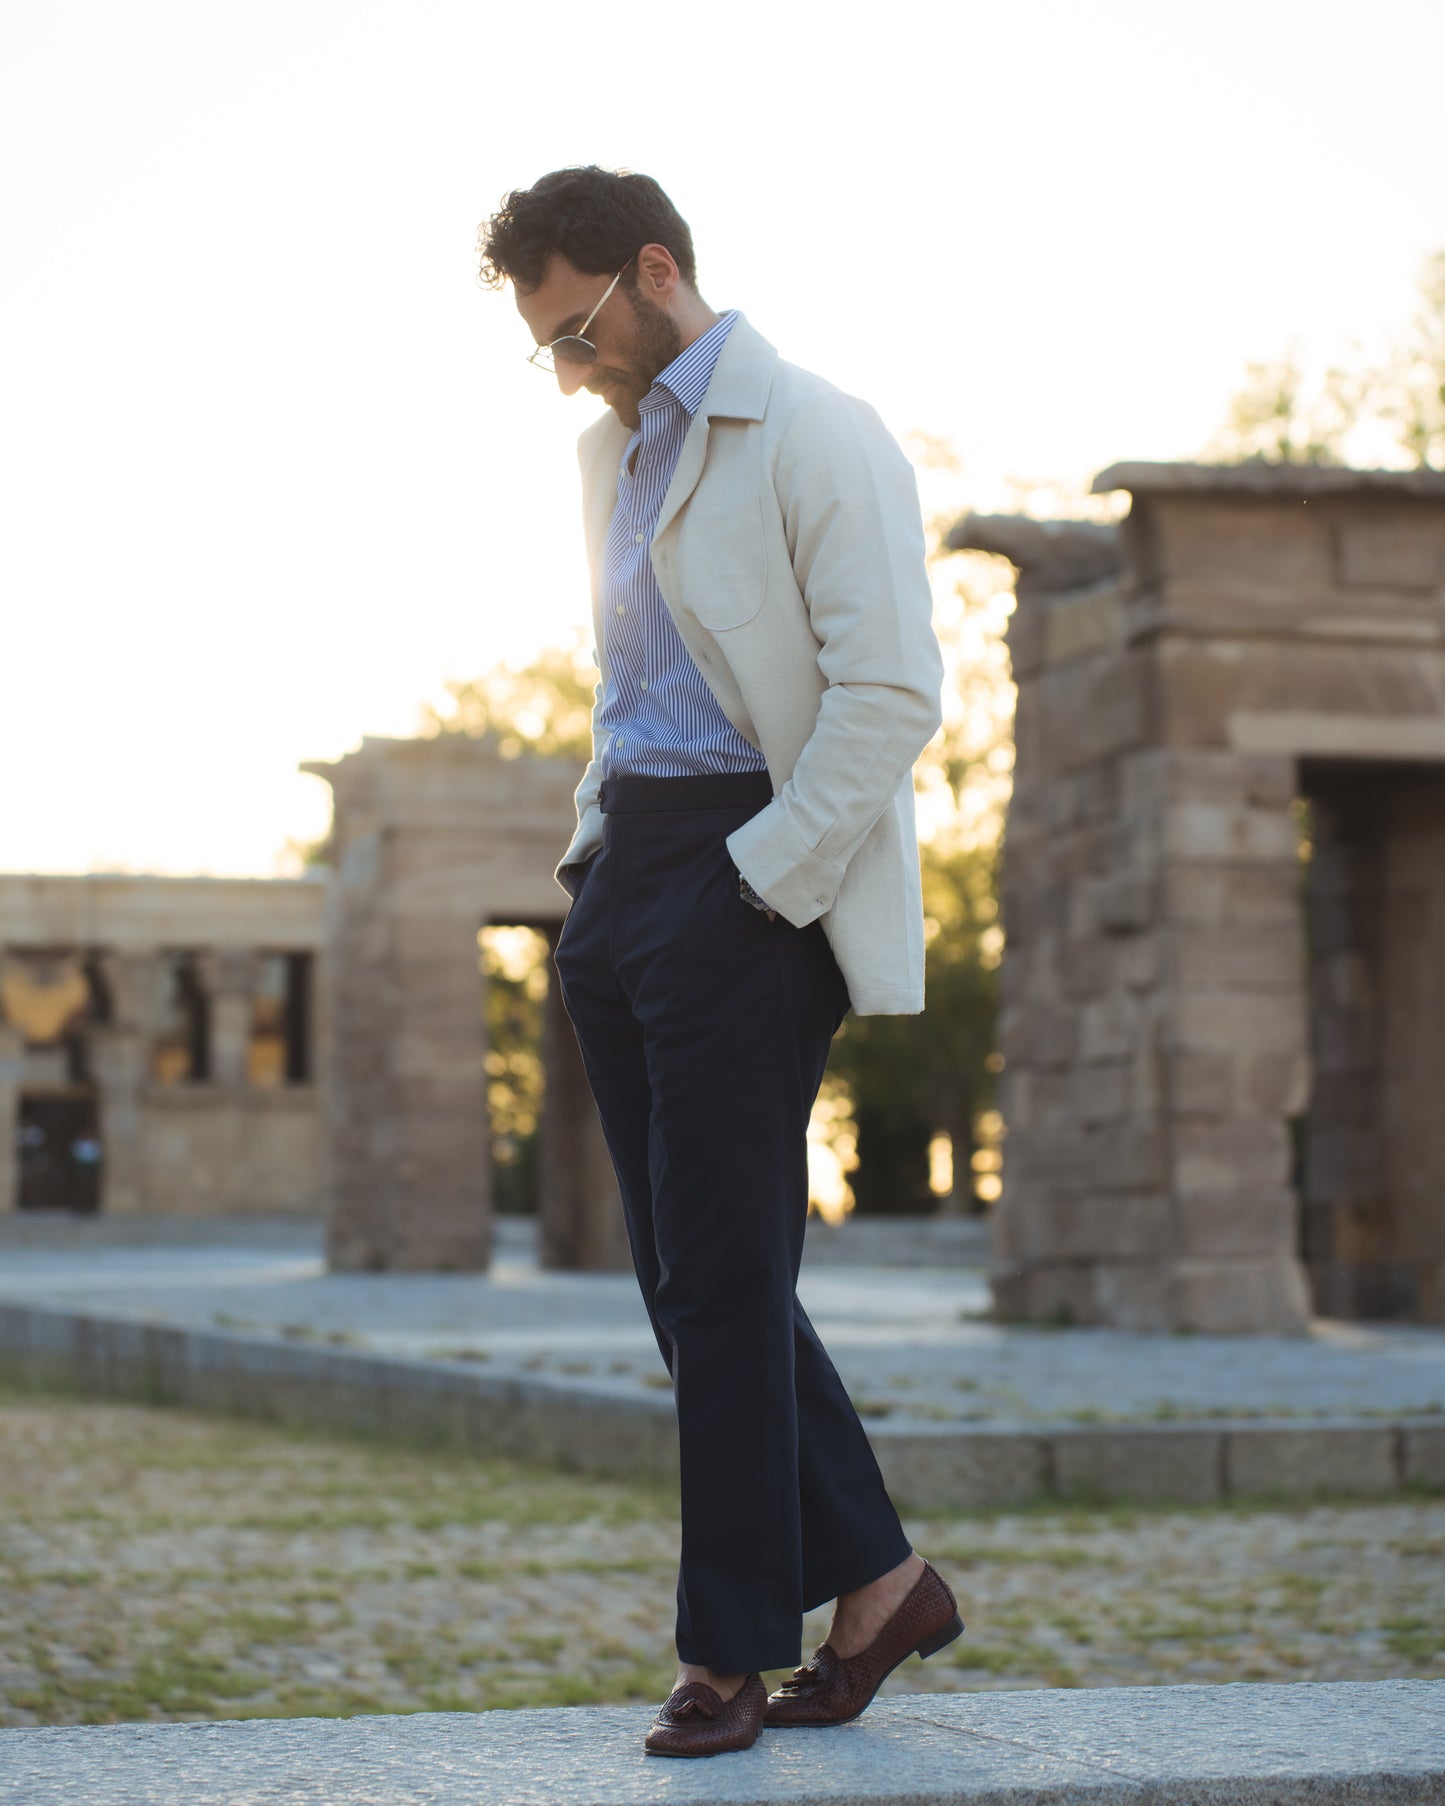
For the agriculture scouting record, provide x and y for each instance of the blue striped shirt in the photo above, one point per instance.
(661, 719)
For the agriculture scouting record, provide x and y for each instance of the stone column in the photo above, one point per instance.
(12, 1069)
(409, 1184)
(229, 977)
(118, 1053)
(439, 1218)
(356, 1097)
(580, 1223)
(1234, 1037)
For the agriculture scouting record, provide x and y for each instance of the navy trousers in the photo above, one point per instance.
(704, 1029)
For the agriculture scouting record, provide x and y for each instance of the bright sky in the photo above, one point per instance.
(272, 464)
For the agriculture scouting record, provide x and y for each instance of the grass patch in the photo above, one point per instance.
(158, 1564)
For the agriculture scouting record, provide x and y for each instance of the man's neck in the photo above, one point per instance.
(693, 319)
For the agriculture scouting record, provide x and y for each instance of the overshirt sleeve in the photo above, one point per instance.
(849, 502)
(588, 835)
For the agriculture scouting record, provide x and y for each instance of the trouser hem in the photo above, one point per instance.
(745, 1658)
(848, 1578)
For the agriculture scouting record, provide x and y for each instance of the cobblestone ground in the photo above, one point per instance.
(158, 1565)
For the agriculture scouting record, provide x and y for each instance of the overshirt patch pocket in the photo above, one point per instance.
(724, 561)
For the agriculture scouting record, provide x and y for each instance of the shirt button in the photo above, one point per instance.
(644, 683)
(622, 608)
(638, 538)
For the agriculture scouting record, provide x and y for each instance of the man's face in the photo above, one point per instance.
(636, 337)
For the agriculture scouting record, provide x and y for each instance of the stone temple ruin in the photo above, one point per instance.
(204, 1046)
(1224, 1087)
(1223, 986)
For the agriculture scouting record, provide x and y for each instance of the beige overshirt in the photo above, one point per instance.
(789, 551)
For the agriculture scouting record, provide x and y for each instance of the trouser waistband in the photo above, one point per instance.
(628, 795)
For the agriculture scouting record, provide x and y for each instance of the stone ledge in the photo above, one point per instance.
(427, 1403)
(1328, 1743)
(944, 1467)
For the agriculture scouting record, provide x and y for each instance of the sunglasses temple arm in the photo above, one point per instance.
(581, 330)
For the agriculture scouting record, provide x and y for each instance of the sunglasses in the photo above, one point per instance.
(572, 348)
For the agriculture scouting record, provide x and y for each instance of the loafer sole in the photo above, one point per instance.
(720, 1749)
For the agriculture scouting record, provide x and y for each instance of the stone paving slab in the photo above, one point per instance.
(913, 1343)
(1319, 1744)
(964, 1412)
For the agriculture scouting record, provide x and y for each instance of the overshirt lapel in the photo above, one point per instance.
(738, 391)
(690, 461)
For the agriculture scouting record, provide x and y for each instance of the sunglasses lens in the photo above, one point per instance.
(573, 350)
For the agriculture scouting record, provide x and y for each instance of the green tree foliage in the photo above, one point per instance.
(543, 708)
(913, 1077)
(1275, 416)
(1415, 381)
(1280, 416)
(916, 1077)
(514, 962)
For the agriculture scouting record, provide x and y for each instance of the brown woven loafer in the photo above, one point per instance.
(833, 1688)
(696, 1720)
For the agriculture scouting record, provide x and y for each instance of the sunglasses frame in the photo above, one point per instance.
(545, 356)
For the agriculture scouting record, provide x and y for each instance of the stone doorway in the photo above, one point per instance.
(434, 840)
(565, 1176)
(1373, 1170)
(58, 1136)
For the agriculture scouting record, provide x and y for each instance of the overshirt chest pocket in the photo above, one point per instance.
(724, 565)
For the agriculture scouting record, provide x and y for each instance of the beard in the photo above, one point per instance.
(656, 341)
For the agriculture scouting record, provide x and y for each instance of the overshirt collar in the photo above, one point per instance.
(686, 378)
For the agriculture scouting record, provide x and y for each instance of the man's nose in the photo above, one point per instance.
(570, 376)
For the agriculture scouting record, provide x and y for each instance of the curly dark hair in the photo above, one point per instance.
(597, 219)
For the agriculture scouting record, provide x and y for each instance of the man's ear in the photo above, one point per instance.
(657, 273)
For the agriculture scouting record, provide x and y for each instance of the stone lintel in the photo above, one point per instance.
(1272, 481)
(1303, 733)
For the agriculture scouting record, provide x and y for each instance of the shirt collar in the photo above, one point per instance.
(686, 378)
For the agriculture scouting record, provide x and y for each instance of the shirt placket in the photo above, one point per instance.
(617, 561)
(653, 425)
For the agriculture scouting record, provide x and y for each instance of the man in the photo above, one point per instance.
(745, 865)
